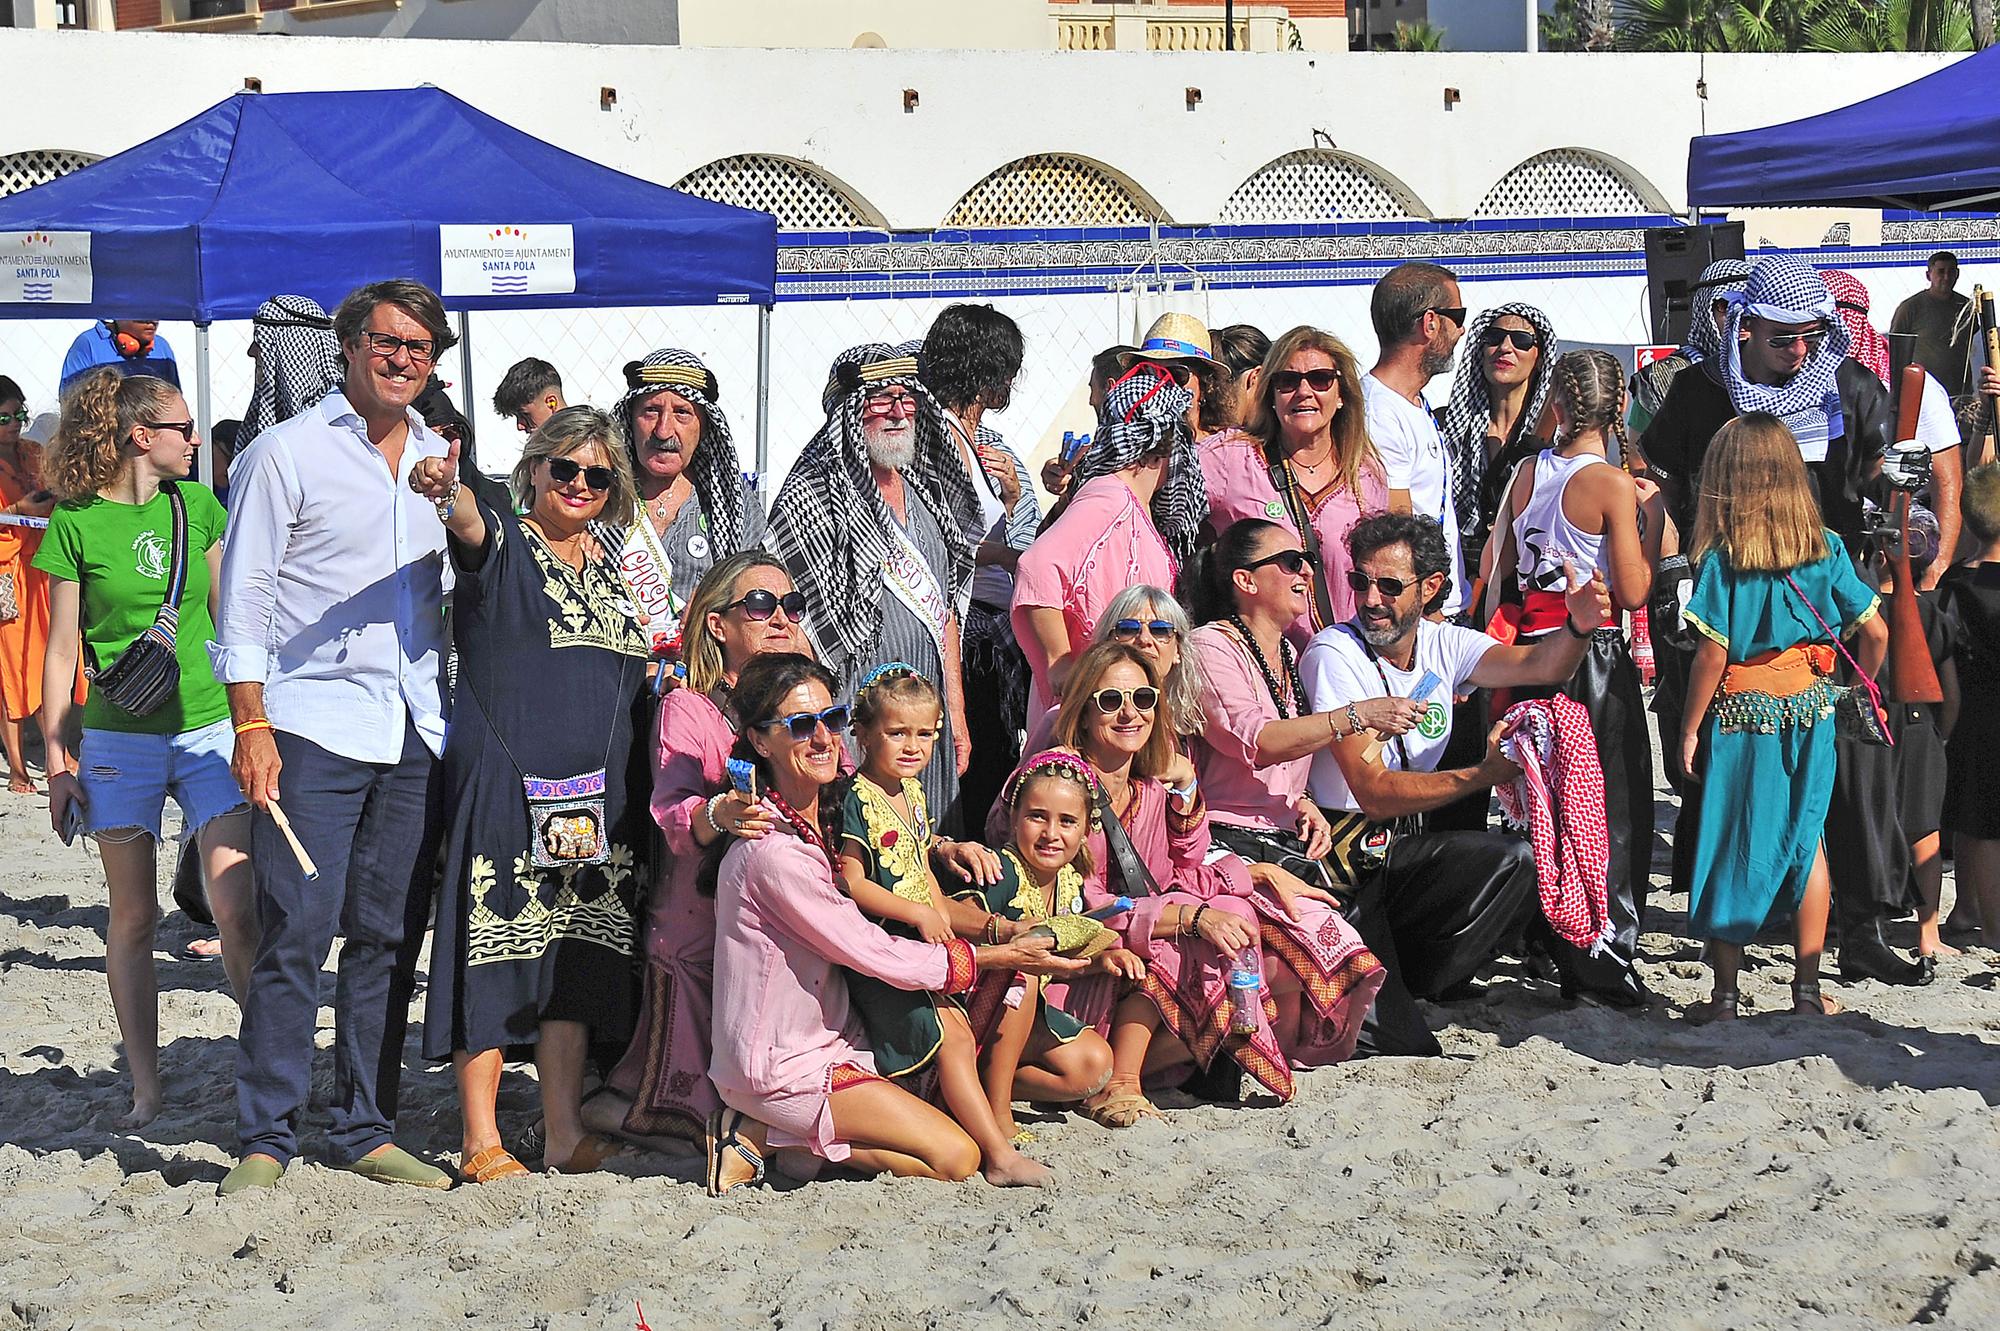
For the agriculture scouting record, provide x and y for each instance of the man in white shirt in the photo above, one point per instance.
(329, 642)
(1441, 904)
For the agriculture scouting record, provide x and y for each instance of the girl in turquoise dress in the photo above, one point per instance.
(1762, 686)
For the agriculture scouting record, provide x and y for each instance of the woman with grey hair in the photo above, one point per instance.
(537, 915)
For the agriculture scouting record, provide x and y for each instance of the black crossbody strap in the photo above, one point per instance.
(1287, 487)
(1132, 870)
(169, 618)
(1402, 751)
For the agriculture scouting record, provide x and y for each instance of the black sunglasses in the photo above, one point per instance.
(1110, 701)
(1389, 587)
(1126, 630)
(1288, 381)
(802, 726)
(1523, 339)
(184, 428)
(762, 604)
(1455, 313)
(564, 470)
(1294, 562)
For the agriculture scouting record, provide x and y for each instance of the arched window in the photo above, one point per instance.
(801, 197)
(19, 171)
(1052, 189)
(1569, 182)
(1319, 185)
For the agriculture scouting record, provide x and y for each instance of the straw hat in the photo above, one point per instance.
(1174, 337)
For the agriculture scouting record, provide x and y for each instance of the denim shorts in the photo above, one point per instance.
(126, 778)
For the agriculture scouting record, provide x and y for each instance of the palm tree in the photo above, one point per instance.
(1795, 25)
(1425, 36)
(1891, 25)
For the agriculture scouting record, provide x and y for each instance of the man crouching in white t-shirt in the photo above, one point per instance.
(1441, 904)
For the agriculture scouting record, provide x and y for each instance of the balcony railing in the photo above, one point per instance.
(1081, 27)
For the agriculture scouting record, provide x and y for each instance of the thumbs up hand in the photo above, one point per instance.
(436, 478)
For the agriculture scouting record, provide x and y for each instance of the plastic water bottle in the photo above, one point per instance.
(1246, 989)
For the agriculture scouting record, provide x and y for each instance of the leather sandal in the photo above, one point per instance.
(721, 1136)
(589, 1156)
(1122, 1111)
(1724, 1005)
(1807, 1001)
(491, 1165)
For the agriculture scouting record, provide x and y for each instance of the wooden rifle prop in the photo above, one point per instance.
(1986, 434)
(1912, 674)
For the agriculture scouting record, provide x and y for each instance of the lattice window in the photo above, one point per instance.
(799, 197)
(1315, 185)
(1567, 182)
(1051, 189)
(19, 171)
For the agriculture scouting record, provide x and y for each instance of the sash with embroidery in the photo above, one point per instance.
(650, 575)
(905, 573)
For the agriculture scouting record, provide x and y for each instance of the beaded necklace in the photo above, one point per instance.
(805, 830)
(1285, 658)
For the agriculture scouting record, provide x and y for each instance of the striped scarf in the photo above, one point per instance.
(714, 469)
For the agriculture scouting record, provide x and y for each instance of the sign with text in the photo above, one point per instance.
(45, 267)
(506, 260)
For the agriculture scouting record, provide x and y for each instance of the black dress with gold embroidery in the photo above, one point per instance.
(551, 664)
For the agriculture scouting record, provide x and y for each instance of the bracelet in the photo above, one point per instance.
(708, 812)
(1194, 921)
(448, 505)
(258, 724)
(1186, 792)
(1574, 632)
(992, 930)
(1353, 721)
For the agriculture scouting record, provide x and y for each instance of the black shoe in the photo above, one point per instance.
(1220, 1083)
(1868, 956)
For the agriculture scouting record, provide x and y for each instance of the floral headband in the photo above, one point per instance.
(886, 671)
(1055, 762)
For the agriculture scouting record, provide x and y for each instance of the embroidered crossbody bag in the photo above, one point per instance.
(147, 673)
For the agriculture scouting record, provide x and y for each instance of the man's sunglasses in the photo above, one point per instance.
(1111, 701)
(1523, 339)
(185, 429)
(1784, 341)
(1455, 313)
(1128, 630)
(21, 417)
(1288, 381)
(1389, 587)
(802, 726)
(564, 470)
(1294, 562)
(761, 605)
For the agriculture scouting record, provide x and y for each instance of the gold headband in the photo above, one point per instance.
(901, 367)
(682, 376)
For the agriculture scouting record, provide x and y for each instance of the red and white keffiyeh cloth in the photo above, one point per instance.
(1559, 799)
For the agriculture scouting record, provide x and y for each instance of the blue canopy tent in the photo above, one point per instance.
(1929, 146)
(319, 192)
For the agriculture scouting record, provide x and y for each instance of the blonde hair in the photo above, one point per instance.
(98, 416)
(1084, 681)
(1982, 502)
(717, 588)
(1756, 504)
(1351, 445)
(570, 431)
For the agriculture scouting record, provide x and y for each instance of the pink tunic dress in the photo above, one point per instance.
(785, 1036)
(1239, 486)
(1103, 543)
(665, 1069)
(1337, 973)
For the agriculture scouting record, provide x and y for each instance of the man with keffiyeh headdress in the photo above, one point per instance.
(1709, 297)
(697, 507)
(298, 363)
(871, 522)
(1139, 501)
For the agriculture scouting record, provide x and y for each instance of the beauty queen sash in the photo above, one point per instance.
(906, 574)
(650, 576)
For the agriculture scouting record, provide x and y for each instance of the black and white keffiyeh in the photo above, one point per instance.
(298, 363)
(1718, 281)
(1145, 414)
(830, 523)
(1785, 291)
(1467, 413)
(714, 471)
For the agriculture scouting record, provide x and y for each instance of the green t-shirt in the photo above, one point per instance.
(119, 554)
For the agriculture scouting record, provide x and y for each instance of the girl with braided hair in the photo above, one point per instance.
(1570, 505)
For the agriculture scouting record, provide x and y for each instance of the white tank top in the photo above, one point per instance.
(1544, 536)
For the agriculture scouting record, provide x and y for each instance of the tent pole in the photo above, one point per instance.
(465, 362)
(764, 391)
(204, 416)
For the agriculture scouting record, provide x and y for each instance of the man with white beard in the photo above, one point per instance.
(871, 524)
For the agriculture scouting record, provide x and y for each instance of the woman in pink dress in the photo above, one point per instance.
(1305, 450)
(791, 1062)
(1132, 519)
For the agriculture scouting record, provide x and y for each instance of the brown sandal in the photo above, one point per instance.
(589, 1156)
(491, 1165)
(1122, 1111)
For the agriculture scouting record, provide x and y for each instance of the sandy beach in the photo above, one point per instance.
(1561, 1168)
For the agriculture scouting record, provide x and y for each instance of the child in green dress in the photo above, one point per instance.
(885, 868)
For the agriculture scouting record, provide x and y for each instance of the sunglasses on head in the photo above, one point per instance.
(1293, 562)
(802, 726)
(1288, 381)
(1389, 587)
(564, 470)
(1523, 339)
(1111, 701)
(761, 605)
(1127, 629)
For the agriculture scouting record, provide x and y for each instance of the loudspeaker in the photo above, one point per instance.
(1675, 256)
